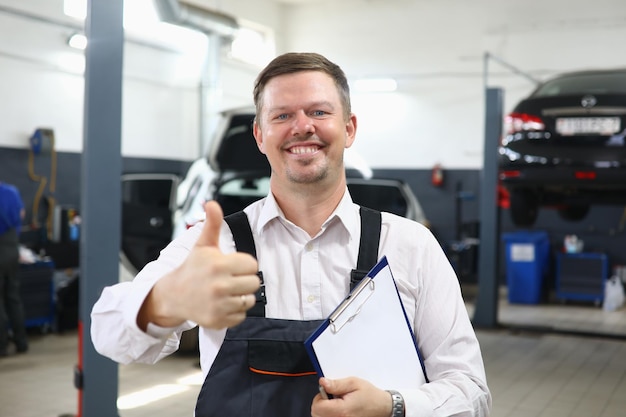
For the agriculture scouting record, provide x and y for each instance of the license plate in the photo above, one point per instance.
(569, 126)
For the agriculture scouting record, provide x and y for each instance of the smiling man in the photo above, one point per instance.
(308, 238)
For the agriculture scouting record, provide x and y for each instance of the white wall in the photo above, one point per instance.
(434, 48)
(42, 84)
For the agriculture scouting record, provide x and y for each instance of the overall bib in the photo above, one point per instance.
(262, 368)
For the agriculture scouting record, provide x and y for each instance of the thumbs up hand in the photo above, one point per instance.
(210, 288)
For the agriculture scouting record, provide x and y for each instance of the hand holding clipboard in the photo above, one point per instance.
(369, 336)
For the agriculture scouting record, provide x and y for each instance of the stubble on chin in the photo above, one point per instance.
(308, 175)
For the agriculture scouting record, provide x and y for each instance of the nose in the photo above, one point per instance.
(302, 124)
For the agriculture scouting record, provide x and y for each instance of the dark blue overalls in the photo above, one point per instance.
(262, 368)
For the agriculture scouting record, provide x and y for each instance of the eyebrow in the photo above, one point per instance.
(315, 104)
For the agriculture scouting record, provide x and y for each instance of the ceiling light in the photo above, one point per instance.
(78, 41)
(369, 85)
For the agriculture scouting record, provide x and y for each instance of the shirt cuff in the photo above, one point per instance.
(416, 403)
(158, 331)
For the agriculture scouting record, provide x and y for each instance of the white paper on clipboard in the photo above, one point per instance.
(369, 336)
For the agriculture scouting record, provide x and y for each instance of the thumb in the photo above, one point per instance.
(328, 384)
(338, 387)
(210, 235)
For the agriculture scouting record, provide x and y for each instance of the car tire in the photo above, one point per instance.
(524, 207)
(574, 213)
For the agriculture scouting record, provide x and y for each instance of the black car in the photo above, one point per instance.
(148, 201)
(564, 147)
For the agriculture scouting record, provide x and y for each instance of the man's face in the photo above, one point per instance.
(302, 130)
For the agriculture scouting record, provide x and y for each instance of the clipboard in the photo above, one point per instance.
(369, 336)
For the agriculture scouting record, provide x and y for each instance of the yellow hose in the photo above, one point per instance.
(42, 184)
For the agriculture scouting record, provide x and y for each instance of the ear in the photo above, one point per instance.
(350, 130)
(258, 136)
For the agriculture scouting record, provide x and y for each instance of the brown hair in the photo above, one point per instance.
(293, 62)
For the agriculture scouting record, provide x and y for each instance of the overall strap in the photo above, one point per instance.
(244, 242)
(242, 234)
(368, 249)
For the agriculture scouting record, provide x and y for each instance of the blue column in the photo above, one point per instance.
(100, 194)
(486, 309)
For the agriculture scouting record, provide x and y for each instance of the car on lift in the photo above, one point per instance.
(563, 146)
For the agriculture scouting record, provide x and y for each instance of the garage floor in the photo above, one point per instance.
(578, 317)
(530, 373)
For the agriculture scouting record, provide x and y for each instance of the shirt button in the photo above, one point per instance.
(310, 298)
(309, 247)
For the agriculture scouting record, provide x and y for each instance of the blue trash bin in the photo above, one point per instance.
(527, 256)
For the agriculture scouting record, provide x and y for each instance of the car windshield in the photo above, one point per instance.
(237, 193)
(591, 83)
(255, 187)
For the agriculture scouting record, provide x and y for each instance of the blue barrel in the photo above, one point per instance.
(527, 261)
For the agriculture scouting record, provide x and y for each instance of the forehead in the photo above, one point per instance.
(299, 88)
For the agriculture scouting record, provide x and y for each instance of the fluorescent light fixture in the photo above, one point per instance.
(141, 21)
(371, 85)
(78, 41)
(253, 46)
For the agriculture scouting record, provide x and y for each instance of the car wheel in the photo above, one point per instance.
(574, 213)
(524, 207)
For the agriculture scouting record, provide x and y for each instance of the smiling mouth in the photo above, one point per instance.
(303, 150)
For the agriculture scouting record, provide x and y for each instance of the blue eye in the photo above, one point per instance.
(319, 113)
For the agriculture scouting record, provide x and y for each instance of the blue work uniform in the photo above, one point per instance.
(11, 306)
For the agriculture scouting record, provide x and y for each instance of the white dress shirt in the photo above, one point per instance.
(306, 278)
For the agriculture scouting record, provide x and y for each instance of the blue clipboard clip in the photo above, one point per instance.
(336, 324)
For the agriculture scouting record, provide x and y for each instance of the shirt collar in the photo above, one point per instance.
(346, 212)
(269, 211)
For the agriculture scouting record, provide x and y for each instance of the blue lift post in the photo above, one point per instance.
(101, 167)
(486, 309)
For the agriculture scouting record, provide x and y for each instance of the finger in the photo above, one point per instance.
(238, 306)
(245, 284)
(232, 287)
(210, 234)
(240, 264)
(244, 302)
(234, 319)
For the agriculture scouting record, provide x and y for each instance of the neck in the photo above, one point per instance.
(309, 207)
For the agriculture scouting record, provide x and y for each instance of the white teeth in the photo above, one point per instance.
(303, 149)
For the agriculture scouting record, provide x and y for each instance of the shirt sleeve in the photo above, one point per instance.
(444, 333)
(114, 330)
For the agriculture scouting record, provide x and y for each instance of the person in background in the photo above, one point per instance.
(11, 308)
(307, 234)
